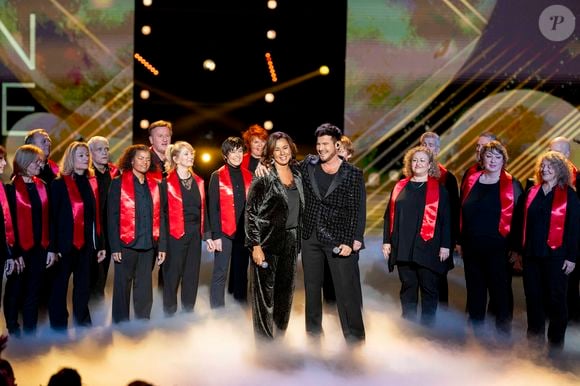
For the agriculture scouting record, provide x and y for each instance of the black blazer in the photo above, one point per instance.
(335, 216)
(267, 211)
(61, 224)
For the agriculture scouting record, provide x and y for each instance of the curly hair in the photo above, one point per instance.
(128, 156)
(561, 165)
(271, 146)
(494, 146)
(433, 168)
(254, 131)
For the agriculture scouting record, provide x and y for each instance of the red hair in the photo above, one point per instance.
(254, 131)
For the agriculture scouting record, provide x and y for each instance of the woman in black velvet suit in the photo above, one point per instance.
(272, 223)
(417, 233)
(76, 235)
(549, 214)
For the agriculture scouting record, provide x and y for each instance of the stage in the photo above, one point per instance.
(217, 347)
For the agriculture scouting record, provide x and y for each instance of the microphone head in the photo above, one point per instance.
(264, 264)
(336, 250)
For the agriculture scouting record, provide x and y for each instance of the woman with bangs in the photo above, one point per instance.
(29, 202)
(550, 225)
(488, 200)
(76, 235)
(417, 234)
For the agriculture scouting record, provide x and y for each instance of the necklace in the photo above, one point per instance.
(186, 182)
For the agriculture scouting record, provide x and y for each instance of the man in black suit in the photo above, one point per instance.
(332, 190)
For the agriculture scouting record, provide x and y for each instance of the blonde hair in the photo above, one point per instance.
(67, 164)
(433, 168)
(173, 150)
(562, 167)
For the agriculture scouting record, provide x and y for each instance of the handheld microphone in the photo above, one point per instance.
(264, 264)
(336, 250)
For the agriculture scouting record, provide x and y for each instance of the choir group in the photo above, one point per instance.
(262, 206)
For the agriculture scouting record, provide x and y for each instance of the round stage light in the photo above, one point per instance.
(209, 65)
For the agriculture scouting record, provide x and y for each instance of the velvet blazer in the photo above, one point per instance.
(267, 212)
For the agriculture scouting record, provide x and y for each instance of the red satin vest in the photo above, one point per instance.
(78, 209)
(506, 196)
(557, 218)
(127, 206)
(24, 213)
(8, 225)
(227, 208)
(175, 204)
(429, 212)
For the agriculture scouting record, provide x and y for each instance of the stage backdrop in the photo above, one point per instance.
(460, 68)
(66, 66)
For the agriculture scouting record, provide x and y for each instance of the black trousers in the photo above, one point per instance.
(545, 287)
(99, 273)
(346, 284)
(238, 253)
(22, 292)
(133, 273)
(181, 268)
(78, 264)
(272, 289)
(488, 272)
(574, 295)
(414, 279)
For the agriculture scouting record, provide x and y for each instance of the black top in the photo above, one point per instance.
(323, 179)
(407, 245)
(253, 164)
(293, 207)
(36, 209)
(191, 206)
(481, 213)
(143, 218)
(538, 226)
(213, 196)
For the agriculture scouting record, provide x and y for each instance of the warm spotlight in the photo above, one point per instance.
(146, 30)
(205, 157)
(268, 125)
(147, 3)
(144, 94)
(324, 70)
(271, 34)
(209, 65)
(272, 4)
(269, 97)
(144, 124)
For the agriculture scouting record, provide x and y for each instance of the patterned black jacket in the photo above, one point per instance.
(334, 216)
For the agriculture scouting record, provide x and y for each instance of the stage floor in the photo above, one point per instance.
(218, 348)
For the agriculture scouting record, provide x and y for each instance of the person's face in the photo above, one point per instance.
(34, 168)
(561, 148)
(42, 140)
(184, 158)
(2, 163)
(257, 147)
(100, 153)
(234, 157)
(481, 142)
(343, 152)
(141, 162)
(326, 148)
(81, 159)
(282, 152)
(160, 138)
(420, 164)
(547, 172)
(431, 144)
(492, 161)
